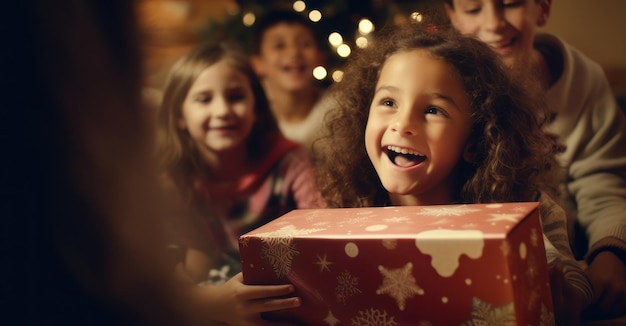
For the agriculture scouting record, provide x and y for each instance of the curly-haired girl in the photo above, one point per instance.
(429, 117)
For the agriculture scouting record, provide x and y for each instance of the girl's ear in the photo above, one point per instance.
(469, 152)
(257, 65)
(451, 14)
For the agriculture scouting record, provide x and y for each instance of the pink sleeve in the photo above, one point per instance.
(300, 180)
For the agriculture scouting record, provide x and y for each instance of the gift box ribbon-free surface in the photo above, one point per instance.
(478, 264)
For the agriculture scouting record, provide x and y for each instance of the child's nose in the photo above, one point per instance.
(295, 50)
(405, 124)
(493, 18)
(221, 106)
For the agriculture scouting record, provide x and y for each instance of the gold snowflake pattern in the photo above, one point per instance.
(313, 215)
(347, 286)
(534, 238)
(357, 220)
(390, 243)
(279, 252)
(323, 262)
(397, 219)
(485, 314)
(244, 241)
(399, 284)
(534, 297)
(505, 247)
(278, 248)
(504, 217)
(288, 231)
(547, 317)
(331, 319)
(373, 317)
(531, 269)
(469, 226)
(442, 221)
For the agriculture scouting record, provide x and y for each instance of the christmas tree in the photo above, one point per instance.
(352, 22)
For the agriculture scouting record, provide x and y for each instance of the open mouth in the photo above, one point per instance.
(503, 47)
(295, 69)
(404, 157)
(224, 128)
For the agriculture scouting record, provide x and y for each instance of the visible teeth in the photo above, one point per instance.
(402, 150)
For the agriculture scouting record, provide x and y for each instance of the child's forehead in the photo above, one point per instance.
(279, 29)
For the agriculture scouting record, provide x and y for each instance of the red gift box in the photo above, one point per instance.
(480, 264)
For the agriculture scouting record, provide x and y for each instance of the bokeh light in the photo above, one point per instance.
(319, 72)
(249, 19)
(335, 39)
(416, 16)
(366, 26)
(361, 42)
(337, 76)
(315, 16)
(299, 6)
(344, 50)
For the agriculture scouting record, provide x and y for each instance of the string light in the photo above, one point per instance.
(366, 26)
(344, 50)
(361, 42)
(335, 39)
(319, 73)
(343, 40)
(315, 16)
(249, 19)
(416, 16)
(299, 6)
(337, 76)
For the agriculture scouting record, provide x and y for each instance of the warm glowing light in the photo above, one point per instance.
(315, 16)
(319, 72)
(361, 42)
(232, 8)
(366, 26)
(416, 16)
(248, 19)
(343, 50)
(335, 39)
(337, 76)
(299, 6)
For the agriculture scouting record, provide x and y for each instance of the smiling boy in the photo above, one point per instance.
(587, 123)
(285, 52)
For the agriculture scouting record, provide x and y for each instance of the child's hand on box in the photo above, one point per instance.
(568, 301)
(236, 303)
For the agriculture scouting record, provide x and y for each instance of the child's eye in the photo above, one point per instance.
(388, 102)
(304, 43)
(279, 45)
(472, 10)
(512, 4)
(435, 110)
(203, 99)
(236, 97)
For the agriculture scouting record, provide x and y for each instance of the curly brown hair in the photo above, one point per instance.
(512, 155)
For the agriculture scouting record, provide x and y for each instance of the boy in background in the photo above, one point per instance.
(587, 123)
(285, 52)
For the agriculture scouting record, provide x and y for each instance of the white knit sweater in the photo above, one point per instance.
(592, 128)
